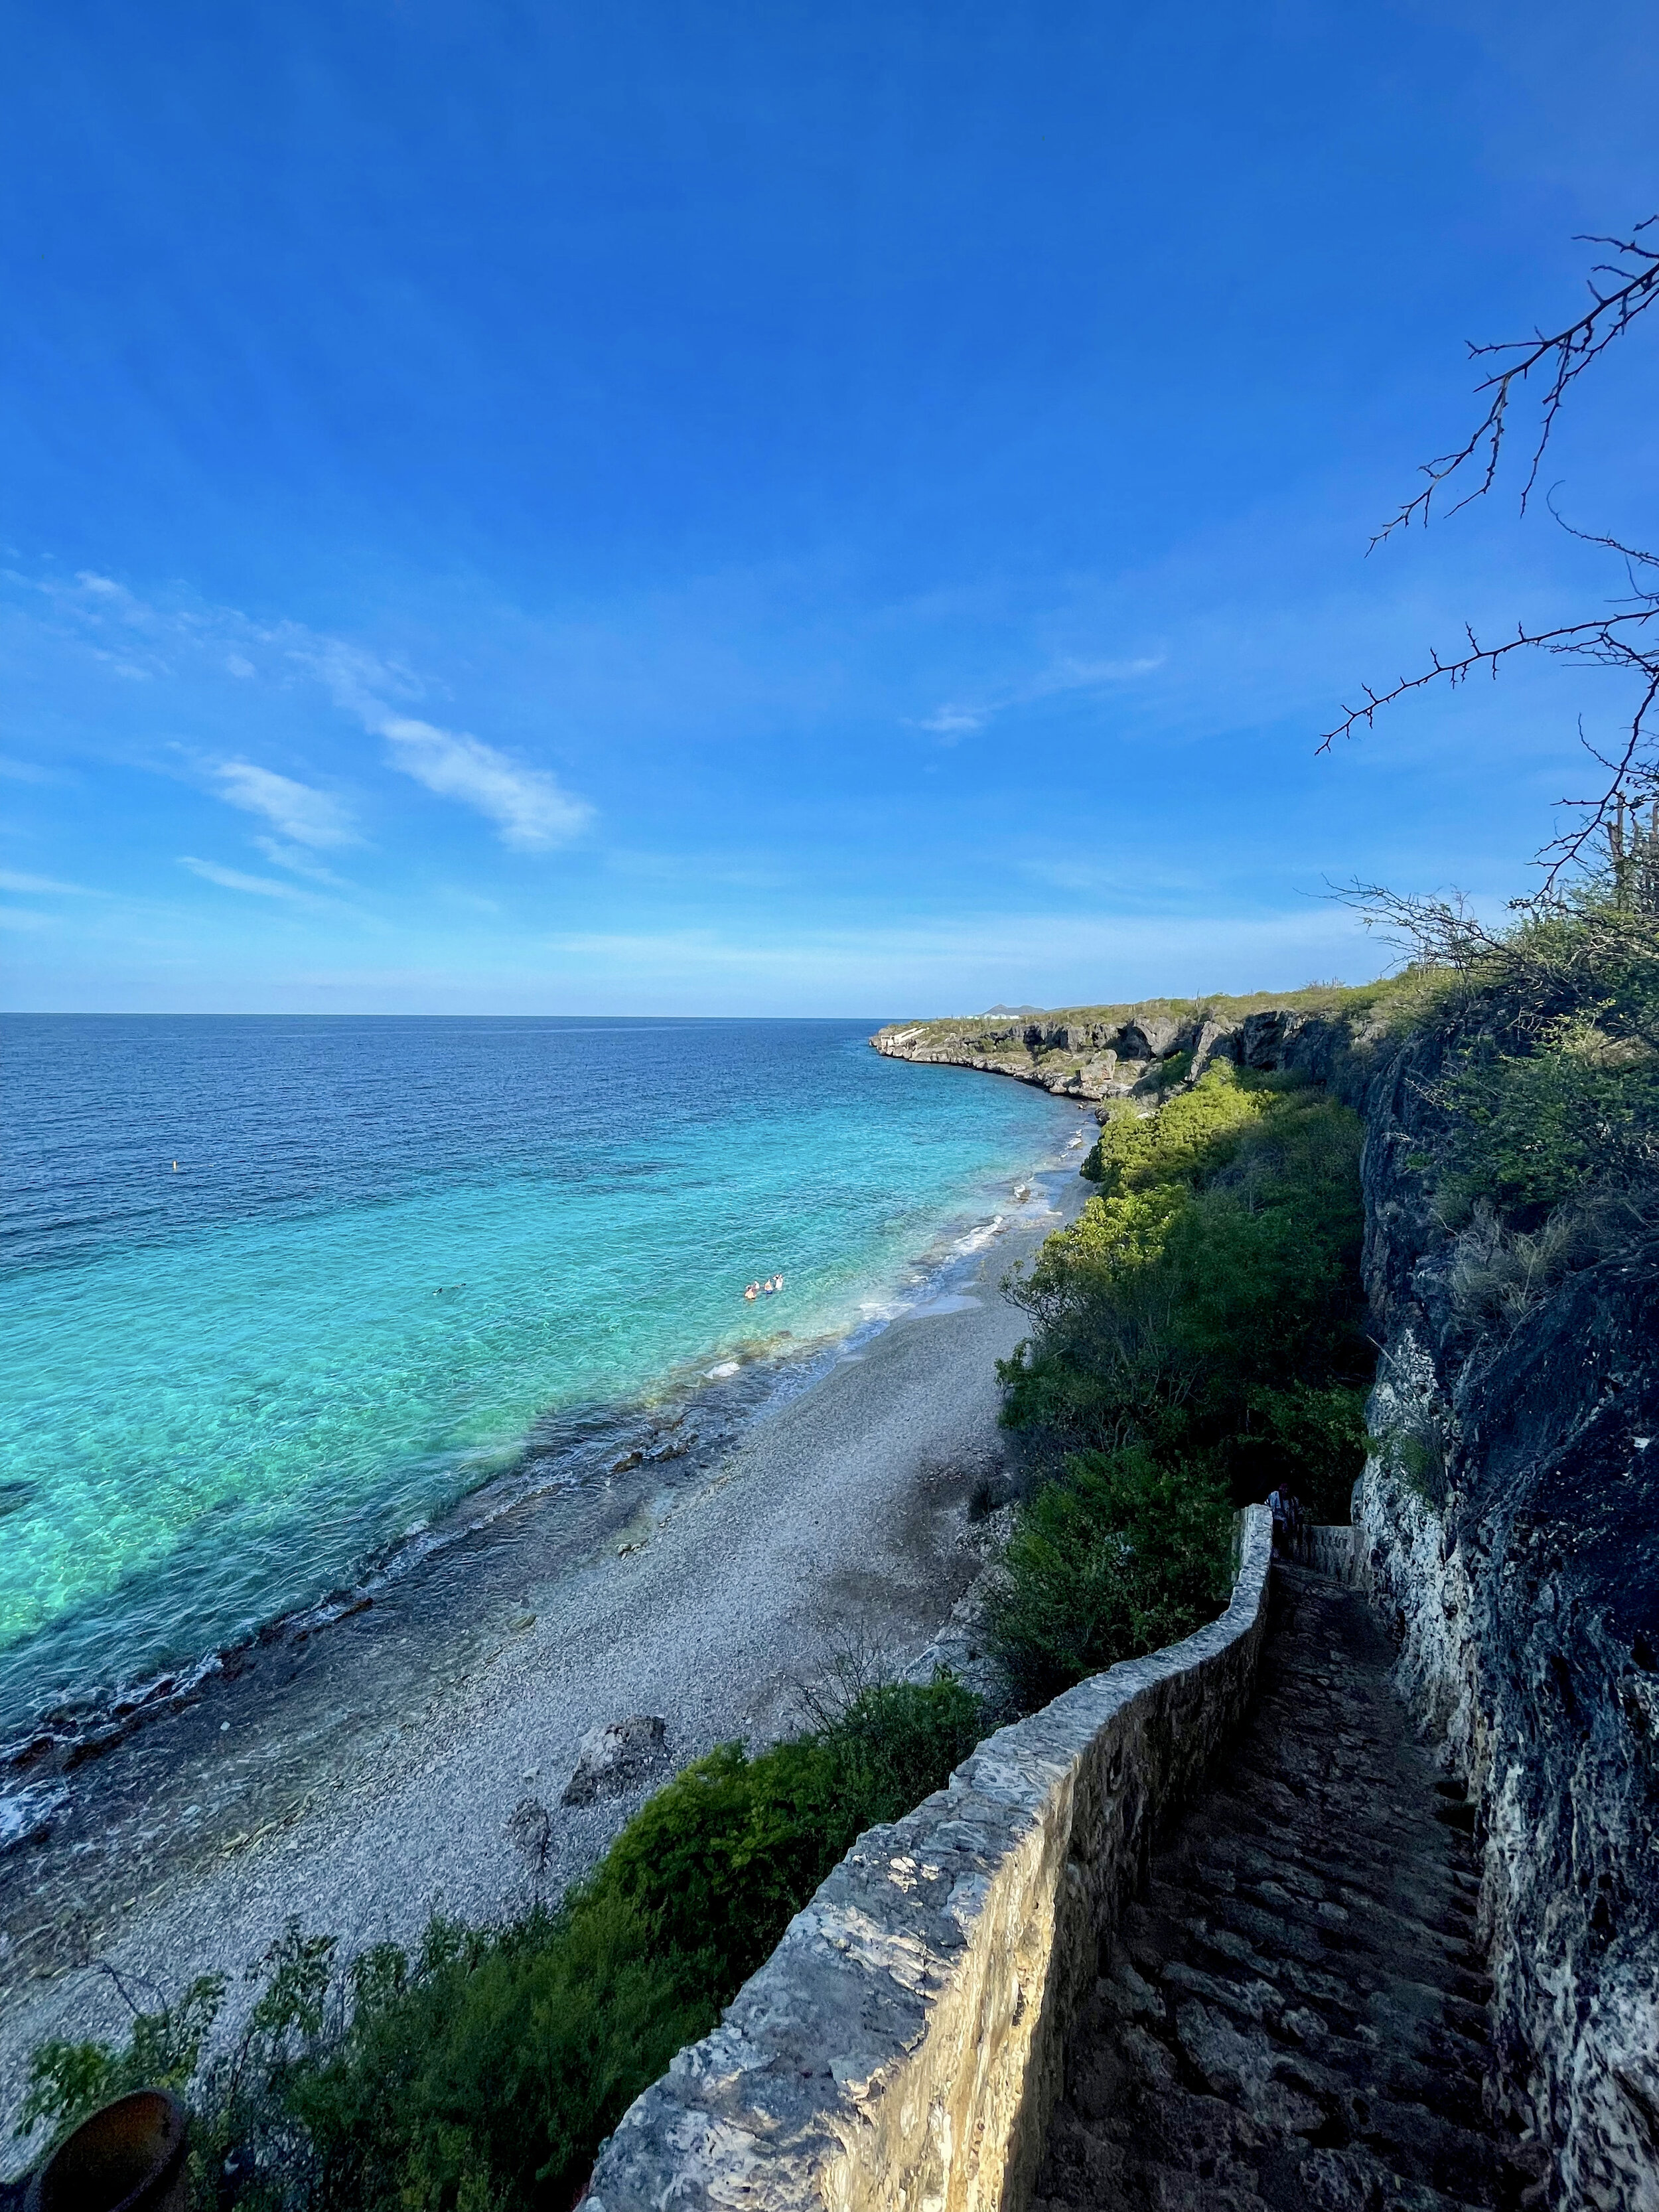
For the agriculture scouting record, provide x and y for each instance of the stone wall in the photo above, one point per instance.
(1331, 1551)
(904, 2045)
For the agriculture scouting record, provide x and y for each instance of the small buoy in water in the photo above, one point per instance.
(175, 1167)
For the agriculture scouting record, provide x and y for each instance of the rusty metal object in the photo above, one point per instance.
(127, 2157)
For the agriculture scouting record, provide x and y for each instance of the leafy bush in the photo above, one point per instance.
(725, 1853)
(481, 2073)
(1312, 1437)
(1198, 1338)
(486, 2071)
(1533, 1128)
(1208, 1302)
(1120, 1557)
(1550, 1026)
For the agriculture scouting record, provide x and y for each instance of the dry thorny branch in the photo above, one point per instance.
(1622, 288)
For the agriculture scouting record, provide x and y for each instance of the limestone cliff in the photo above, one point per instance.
(1110, 1052)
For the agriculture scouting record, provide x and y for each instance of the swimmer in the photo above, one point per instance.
(752, 1292)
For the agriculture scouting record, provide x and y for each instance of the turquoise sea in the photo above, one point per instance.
(399, 1260)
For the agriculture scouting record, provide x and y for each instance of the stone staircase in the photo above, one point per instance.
(1293, 2014)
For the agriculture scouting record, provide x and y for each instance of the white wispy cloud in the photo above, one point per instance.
(232, 879)
(307, 816)
(531, 808)
(301, 863)
(949, 722)
(12, 880)
(957, 718)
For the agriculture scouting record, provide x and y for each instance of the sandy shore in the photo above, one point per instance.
(835, 1521)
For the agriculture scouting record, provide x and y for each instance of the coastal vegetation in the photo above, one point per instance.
(1198, 1337)
(480, 2071)
(1540, 1073)
(1199, 1334)
(1549, 1091)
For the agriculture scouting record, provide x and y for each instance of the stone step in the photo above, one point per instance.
(1292, 2015)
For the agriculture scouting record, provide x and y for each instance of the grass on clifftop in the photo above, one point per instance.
(481, 2072)
(1198, 1338)
(1355, 999)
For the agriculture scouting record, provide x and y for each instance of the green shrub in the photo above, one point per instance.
(1312, 1438)
(1216, 1270)
(1532, 1129)
(66, 2081)
(481, 2073)
(488, 2070)
(1550, 1088)
(729, 1850)
(1119, 1557)
(1198, 1338)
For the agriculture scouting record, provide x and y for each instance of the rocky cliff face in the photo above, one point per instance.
(1512, 1524)
(1104, 1052)
(1509, 1521)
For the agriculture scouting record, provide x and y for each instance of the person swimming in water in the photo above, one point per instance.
(752, 1292)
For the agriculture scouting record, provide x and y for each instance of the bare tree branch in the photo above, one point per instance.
(1597, 639)
(1622, 288)
(1630, 290)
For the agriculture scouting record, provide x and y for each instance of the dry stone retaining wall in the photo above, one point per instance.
(904, 2045)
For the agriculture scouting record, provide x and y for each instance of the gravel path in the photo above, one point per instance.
(836, 1522)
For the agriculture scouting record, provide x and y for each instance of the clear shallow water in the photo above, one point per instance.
(394, 1249)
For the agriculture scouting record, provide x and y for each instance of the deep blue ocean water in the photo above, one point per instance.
(391, 1251)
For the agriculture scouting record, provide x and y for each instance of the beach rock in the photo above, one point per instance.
(616, 1758)
(530, 1831)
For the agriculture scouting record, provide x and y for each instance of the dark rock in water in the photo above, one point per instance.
(616, 1758)
(14, 1497)
(26, 1815)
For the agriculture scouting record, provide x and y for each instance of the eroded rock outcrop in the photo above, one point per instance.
(1127, 1052)
(1073, 1055)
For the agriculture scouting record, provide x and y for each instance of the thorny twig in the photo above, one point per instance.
(1634, 290)
(1619, 639)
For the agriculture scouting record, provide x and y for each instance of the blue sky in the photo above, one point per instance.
(742, 509)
